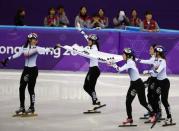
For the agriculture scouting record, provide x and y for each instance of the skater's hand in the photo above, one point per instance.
(4, 62)
(110, 62)
(57, 46)
(137, 60)
(145, 72)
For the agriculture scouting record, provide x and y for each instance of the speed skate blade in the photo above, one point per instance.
(17, 115)
(29, 115)
(144, 118)
(98, 107)
(172, 124)
(149, 122)
(132, 125)
(91, 112)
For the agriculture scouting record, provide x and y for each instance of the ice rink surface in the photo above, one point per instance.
(61, 101)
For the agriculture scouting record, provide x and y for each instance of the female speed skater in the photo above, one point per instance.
(93, 72)
(152, 84)
(136, 86)
(30, 51)
(160, 68)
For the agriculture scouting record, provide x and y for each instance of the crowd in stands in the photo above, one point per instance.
(57, 18)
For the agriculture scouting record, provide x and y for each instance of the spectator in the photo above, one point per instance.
(100, 20)
(51, 19)
(82, 18)
(19, 19)
(134, 20)
(63, 20)
(149, 24)
(121, 20)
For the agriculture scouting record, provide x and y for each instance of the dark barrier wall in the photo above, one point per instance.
(165, 11)
(111, 41)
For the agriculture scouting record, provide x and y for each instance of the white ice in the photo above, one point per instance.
(61, 101)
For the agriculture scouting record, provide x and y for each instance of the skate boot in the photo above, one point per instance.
(168, 122)
(30, 110)
(95, 106)
(19, 112)
(96, 103)
(153, 118)
(127, 123)
(146, 115)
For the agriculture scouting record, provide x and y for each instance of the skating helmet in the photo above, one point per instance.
(129, 53)
(32, 36)
(159, 49)
(93, 37)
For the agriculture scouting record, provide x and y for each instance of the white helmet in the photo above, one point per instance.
(32, 36)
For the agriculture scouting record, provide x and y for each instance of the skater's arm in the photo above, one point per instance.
(120, 69)
(150, 61)
(30, 52)
(42, 50)
(84, 34)
(16, 55)
(123, 68)
(161, 67)
(81, 31)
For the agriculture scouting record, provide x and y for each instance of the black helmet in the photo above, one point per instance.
(93, 37)
(32, 36)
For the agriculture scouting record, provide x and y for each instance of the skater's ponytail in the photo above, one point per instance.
(26, 44)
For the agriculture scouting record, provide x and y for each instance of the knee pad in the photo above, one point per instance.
(26, 78)
(152, 85)
(158, 90)
(133, 92)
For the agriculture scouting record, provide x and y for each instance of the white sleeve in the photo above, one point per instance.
(18, 54)
(123, 68)
(150, 61)
(43, 51)
(161, 67)
(84, 35)
(30, 52)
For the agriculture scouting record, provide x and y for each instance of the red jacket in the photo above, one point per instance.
(52, 20)
(150, 26)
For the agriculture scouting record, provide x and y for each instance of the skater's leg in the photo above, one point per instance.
(141, 95)
(151, 91)
(31, 85)
(86, 83)
(165, 85)
(157, 104)
(23, 84)
(90, 83)
(94, 76)
(129, 99)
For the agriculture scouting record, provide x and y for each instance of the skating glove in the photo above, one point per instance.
(57, 46)
(4, 62)
(137, 59)
(147, 72)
